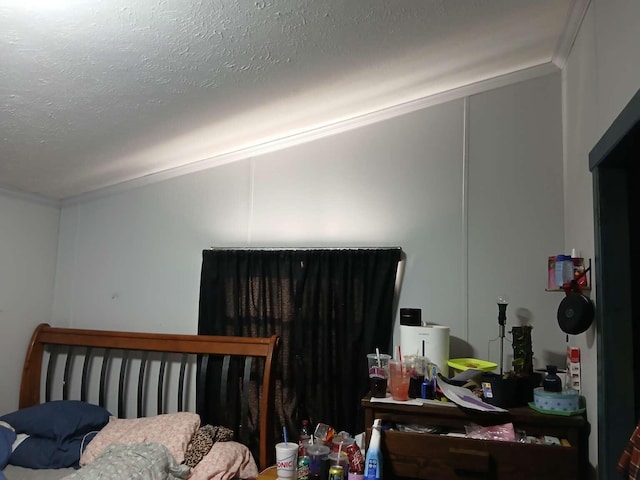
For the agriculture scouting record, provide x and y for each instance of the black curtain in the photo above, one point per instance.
(330, 307)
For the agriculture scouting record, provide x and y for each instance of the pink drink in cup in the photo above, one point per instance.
(399, 379)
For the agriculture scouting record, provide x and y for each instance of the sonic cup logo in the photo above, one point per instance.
(285, 464)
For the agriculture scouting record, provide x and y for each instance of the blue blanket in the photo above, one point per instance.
(7, 437)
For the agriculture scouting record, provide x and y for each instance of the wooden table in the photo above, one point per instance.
(270, 473)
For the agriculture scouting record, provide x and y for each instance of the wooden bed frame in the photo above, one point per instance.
(238, 360)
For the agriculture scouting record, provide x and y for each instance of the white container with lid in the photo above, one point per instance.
(566, 401)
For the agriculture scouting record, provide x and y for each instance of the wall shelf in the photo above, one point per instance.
(584, 288)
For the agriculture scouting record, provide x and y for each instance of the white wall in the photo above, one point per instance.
(28, 243)
(601, 76)
(515, 214)
(469, 223)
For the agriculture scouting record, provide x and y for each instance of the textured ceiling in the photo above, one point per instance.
(97, 92)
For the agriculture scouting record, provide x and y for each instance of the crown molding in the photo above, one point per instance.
(30, 197)
(573, 22)
(320, 132)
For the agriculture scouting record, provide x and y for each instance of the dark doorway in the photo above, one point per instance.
(615, 164)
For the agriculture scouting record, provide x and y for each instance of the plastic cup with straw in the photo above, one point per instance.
(337, 469)
(286, 455)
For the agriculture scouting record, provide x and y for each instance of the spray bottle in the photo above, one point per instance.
(373, 459)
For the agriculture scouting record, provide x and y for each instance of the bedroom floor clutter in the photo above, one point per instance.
(325, 447)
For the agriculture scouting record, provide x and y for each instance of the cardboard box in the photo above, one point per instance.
(573, 368)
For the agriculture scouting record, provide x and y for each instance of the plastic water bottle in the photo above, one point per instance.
(373, 459)
(559, 270)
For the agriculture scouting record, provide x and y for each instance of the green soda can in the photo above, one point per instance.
(303, 468)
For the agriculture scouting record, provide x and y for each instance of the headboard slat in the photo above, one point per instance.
(244, 403)
(141, 372)
(103, 378)
(163, 366)
(67, 373)
(51, 364)
(224, 382)
(183, 368)
(85, 374)
(203, 366)
(122, 412)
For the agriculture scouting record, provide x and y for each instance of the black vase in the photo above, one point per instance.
(551, 381)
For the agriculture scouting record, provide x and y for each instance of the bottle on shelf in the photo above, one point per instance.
(551, 381)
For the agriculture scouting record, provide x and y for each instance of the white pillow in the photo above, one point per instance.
(173, 430)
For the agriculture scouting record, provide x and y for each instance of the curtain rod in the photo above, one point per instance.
(303, 248)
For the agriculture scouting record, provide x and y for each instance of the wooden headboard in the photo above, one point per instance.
(244, 367)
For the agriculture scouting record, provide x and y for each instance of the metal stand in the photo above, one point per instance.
(502, 320)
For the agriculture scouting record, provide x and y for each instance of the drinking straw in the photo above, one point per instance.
(378, 357)
(284, 434)
(399, 353)
(339, 453)
(423, 348)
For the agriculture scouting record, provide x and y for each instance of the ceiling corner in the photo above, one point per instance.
(575, 15)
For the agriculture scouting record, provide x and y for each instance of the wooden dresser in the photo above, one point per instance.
(440, 457)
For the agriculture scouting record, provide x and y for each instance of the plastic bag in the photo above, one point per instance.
(504, 432)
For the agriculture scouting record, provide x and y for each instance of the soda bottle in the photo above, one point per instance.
(303, 438)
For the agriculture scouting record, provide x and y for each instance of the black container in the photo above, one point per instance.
(499, 391)
(411, 317)
(525, 386)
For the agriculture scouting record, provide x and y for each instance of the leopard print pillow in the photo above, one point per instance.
(222, 434)
(202, 442)
(199, 446)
